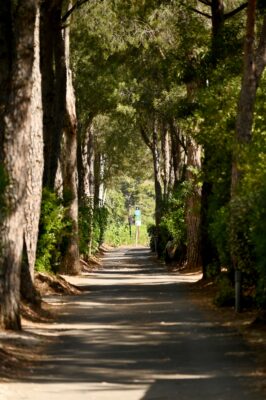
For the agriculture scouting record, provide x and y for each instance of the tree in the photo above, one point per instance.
(17, 34)
(70, 262)
(254, 65)
(34, 170)
(53, 70)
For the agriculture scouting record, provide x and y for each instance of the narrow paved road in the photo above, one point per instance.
(134, 335)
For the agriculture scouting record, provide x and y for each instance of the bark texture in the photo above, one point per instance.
(53, 70)
(70, 263)
(152, 142)
(193, 202)
(34, 175)
(166, 160)
(86, 153)
(15, 133)
(192, 213)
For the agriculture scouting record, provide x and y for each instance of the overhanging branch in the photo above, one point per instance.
(197, 11)
(261, 52)
(235, 11)
(206, 2)
(72, 9)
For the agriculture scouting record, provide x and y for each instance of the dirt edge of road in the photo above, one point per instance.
(247, 323)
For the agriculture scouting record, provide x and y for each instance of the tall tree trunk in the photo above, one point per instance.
(15, 98)
(86, 152)
(254, 65)
(70, 263)
(53, 71)
(217, 13)
(157, 172)
(34, 176)
(192, 212)
(218, 18)
(177, 154)
(207, 251)
(153, 144)
(166, 159)
(193, 202)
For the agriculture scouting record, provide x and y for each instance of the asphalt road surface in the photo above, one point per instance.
(135, 335)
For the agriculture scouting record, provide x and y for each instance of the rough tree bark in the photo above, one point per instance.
(178, 154)
(17, 30)
(86, 153)
(193, 202)
(166, 160)
(53, 70)
(34, 177)
(153, 144)
(70, 263)
(192, 209)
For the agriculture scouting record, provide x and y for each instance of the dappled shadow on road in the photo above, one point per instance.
(142, 332)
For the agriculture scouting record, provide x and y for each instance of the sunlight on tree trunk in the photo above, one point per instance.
(34, 176)
(70, 263)
(15, 134)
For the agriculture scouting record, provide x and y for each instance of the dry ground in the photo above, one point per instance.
(248, 323)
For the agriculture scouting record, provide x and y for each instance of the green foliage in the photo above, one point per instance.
(85, 225)
(119, 234)
(127, 193)
(172, 226)
(173, 219)
(53, 230)
(225, 295)
(220, 233)
(100, 223)
(92, 226)
(135, 59)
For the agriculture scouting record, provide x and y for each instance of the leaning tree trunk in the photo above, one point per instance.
(34, 177)
(17, 32)
(70, 263)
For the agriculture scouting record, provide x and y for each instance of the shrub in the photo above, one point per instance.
(225, 295)
(53, 230)
(92, 226)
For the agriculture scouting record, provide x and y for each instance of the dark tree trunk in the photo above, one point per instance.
(217, 12)
(53, 72)
(15, 95)
(254, 65)
(178, 153)
(207, 249)
(157, 173)
(153, 144)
